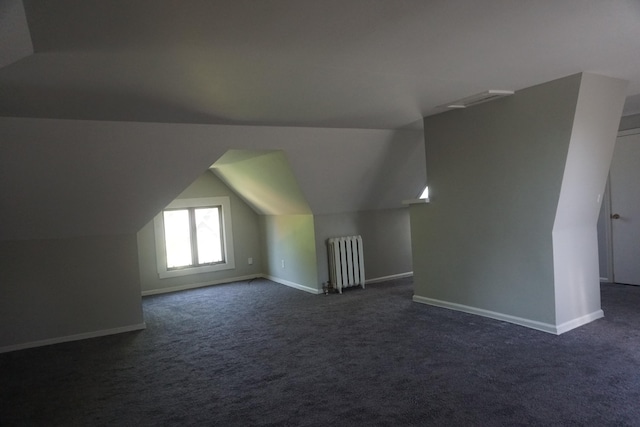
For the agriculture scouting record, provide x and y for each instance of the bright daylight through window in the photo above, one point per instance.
(425, 193)
(194, 236)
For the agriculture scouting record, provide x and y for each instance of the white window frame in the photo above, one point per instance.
(227, 238)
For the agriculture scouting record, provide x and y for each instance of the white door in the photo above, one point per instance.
(625, 209)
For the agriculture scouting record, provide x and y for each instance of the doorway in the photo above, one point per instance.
(623, 214)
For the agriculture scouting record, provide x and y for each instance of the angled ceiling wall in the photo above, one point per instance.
(575, 241)
(380, 64)
(367, 171)
(324, 174)
(15, 39)
(66, 178)
(264, 180)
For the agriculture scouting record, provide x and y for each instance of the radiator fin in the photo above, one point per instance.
(346, 262)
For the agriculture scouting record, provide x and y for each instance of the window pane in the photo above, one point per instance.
(425, 193)
(208, 233)
(177, 238)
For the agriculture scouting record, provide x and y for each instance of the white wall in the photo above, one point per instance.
(575, 240)
(91, 183)
(290, 239)
(483, 243)
(63, 289)
(386, 240)
(510, 230)
(246, 235)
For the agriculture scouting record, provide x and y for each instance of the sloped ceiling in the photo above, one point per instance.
(381, 64)
(63, 178)
(15, 39)
(143, 85)
(264, 180)
(327, 171)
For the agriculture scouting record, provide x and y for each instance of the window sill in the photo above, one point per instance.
(196, 270)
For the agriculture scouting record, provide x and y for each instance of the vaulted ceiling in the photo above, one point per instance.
(380, 64)
(264, 180)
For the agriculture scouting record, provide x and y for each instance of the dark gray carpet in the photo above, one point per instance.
(260, 353)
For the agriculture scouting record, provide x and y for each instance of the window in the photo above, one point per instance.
(425, 193)
(194, 236)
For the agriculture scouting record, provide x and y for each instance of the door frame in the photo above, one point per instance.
(606, 200)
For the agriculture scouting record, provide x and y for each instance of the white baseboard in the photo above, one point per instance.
(391, 277)
(533, 324)
(231, 280)
(294, 285)
(200, 285)
(572, 324)
(75, 337)
(604, 280)
(257, 276)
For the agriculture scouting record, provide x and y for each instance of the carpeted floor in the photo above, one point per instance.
(260, 353)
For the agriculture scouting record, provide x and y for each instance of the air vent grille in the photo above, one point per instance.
(479, 98)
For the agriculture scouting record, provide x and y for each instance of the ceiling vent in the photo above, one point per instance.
(470, 101)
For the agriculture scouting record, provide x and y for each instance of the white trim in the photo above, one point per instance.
(607, 213)
(608, 235)
(628, 132)
(604, 280)
(294, 285)
(572, 324)
(236, 279)
(391, 277)
(533, 324)
(265, 276)
(227, 229)
(76, 337)
(200, 285)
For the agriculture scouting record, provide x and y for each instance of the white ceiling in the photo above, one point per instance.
(332, 63)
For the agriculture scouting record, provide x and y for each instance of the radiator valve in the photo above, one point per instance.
(328, 288)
